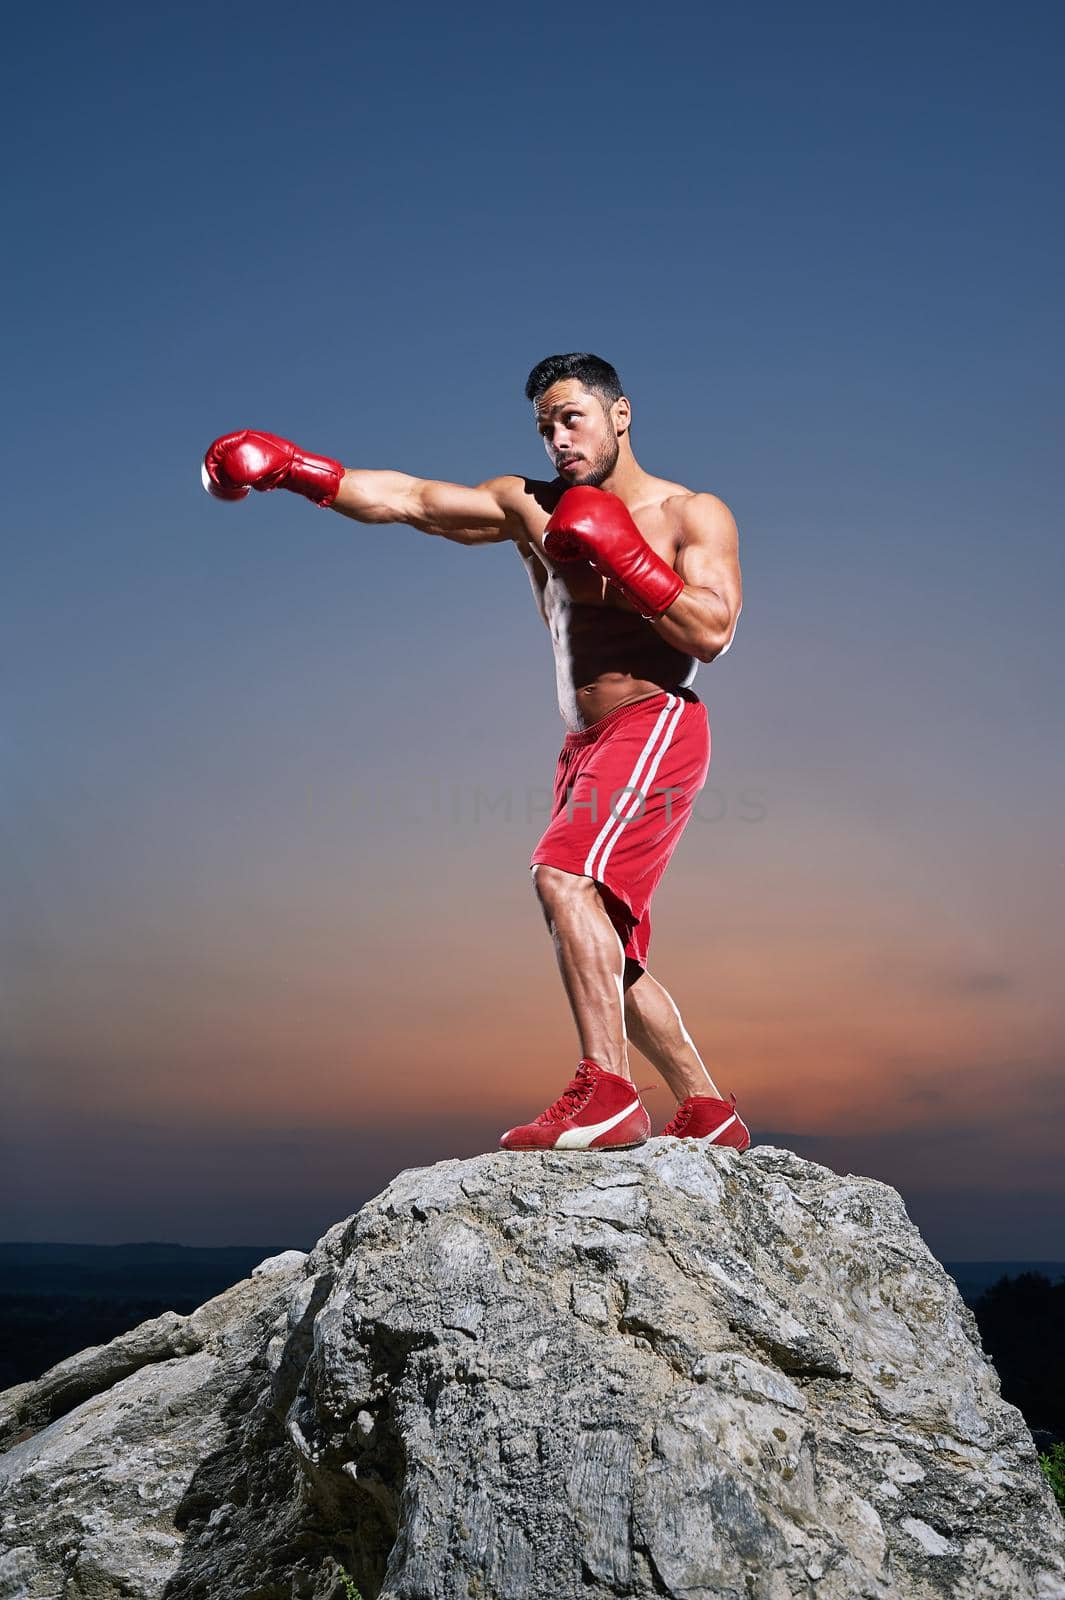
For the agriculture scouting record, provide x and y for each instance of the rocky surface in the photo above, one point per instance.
(672, 1371)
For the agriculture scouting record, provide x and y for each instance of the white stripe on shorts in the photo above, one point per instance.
(615, 824)
(639, 800)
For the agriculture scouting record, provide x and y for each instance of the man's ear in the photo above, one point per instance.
(621, 415)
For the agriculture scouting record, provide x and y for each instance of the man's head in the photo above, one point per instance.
(581, 414)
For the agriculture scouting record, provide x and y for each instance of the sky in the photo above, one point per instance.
(271, 779)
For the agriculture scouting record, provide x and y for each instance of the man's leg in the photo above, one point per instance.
(591, 959)
(655, 1027)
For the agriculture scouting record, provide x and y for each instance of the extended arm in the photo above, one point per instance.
(480, 514)
(485, 514)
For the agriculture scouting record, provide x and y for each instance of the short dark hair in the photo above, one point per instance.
(597, 375)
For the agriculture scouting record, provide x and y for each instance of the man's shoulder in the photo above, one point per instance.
(517, 484)
(697, 511)
(524, 496)
(528, 503)
(680, 497)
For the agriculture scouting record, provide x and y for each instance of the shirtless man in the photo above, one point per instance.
(637, 580)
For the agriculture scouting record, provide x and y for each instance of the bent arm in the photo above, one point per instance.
(481, 514)
(702, 619)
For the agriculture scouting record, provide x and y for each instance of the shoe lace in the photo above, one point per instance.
(572, 1098)
(575, 1096)
(679, 1122)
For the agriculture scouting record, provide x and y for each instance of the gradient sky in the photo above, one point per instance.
(269, 933)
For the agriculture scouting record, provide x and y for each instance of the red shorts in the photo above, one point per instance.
(624, 790)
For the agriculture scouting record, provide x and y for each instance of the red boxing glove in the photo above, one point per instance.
(247, 460)
(595, 524)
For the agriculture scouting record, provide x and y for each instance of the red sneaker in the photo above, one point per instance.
(598, 1110)
(702, 1116)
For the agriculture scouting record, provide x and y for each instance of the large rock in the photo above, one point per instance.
(672, 1371)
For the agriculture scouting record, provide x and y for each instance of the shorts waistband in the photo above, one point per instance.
(573, 741)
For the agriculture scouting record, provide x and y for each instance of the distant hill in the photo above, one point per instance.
(144, 1269)
(973, 1277)
(56, 1299)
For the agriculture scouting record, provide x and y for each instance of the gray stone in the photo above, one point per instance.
(670, 1371)
(281, 1263)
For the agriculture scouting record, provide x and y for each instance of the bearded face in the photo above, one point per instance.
(602, 464)
(579, 434)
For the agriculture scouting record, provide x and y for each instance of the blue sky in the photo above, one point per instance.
(823, 248)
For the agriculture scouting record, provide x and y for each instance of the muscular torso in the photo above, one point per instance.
(606, 654)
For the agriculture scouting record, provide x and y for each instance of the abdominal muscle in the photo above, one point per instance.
(606, 658)
(606, 654)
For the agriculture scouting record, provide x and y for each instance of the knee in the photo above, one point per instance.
(556, 888)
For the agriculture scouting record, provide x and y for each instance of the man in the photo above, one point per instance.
(638, 580)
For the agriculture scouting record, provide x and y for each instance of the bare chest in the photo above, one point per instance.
(559, 586)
